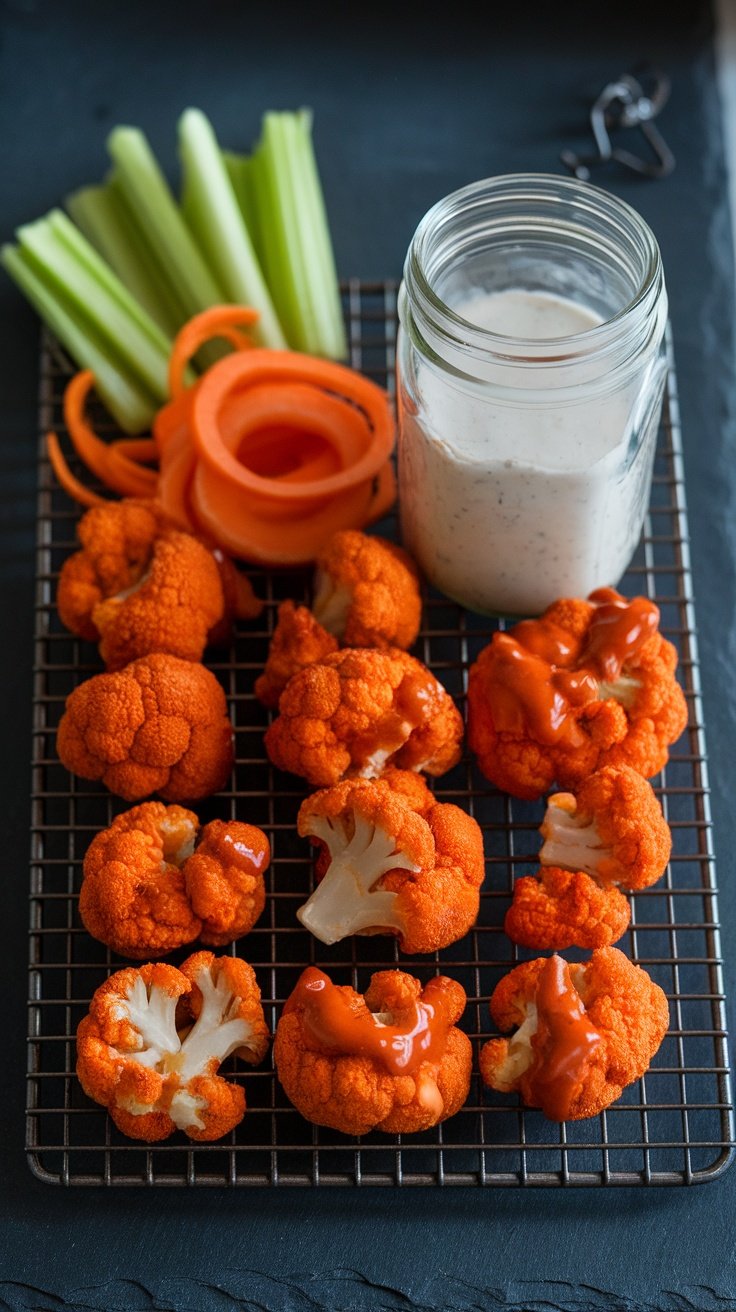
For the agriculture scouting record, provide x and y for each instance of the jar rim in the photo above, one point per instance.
(533, 188)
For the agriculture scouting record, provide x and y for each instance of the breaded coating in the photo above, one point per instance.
(154, 881)
(366, 595)
(622, 1015)
(158, 726)
(565, 909)
(331, 1083)
(366, 591)
(150, 1047)
(298, 641)
(358, 711)
(612, 828)
(386, 868)
(140, 585)
(591, 683)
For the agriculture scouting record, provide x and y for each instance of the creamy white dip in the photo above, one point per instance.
(509, 503)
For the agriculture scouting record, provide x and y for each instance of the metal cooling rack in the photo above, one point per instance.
(673, 1127)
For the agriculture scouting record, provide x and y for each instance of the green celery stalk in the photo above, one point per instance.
(212, 212)
(297, 250)
(149, 197)
(101, 215)
(317, 243)
(240, 172)
(68, 263)
(130, 406)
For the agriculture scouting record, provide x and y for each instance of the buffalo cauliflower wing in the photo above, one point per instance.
(388, 869)
(366, 594)
(366, 591)
(393, 1060)
(153, 881)
(140, 585)
(612, 835)
(359, 710)
(565, 909)
(582, 1033)
(612, 827)
(158, 726)
(297, 641)
(590, 683)
(151, 1045)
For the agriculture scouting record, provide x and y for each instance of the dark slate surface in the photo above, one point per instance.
(406, 110)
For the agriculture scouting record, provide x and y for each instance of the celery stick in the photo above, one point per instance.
(279, 221)
(211, 210)
(66, 261)
(149, 197)
(130, 406)
(296, 242)
(316, 232)
(99, 213)
(240, 172)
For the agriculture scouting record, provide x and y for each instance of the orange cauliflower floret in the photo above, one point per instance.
(298, 640)
(359, 710)
(582, 1032)
(590, 683)
(393, 1060)
(612, 828)
(390, 869)
(153, 881)
(612, 834)
(564, 909)
(141, 585)
(366, 591)
(150, 1047)
(366, 594)
(158, 726)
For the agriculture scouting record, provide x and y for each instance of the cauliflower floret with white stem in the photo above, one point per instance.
(392, 861)
(612, 829)
(153, 1041)
(331, 604)
(346, 901)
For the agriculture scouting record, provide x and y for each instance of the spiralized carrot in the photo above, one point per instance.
(217, 321)
(71, 485)
(112, 468)
(267, 454)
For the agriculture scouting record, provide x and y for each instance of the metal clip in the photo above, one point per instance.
(626, 104)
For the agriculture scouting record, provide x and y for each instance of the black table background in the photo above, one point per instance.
(405, 111)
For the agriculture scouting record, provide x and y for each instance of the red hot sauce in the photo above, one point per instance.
(339, 1029)
(564, 1042)
(533, 686)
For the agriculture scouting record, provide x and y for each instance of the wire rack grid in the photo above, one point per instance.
(674, 1126)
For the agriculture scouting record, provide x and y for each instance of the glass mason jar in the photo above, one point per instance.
(530, 374)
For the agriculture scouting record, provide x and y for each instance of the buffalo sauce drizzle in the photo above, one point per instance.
(400, 1049)
(618, 631)
(563, 1043)
(533, 687)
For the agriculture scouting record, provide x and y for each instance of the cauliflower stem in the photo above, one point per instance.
(216, 1033)
(347, 901)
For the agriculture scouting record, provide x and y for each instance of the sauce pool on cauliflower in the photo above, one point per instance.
(359, 710)
(393, 1060)
(589, 683)
(581, 1032)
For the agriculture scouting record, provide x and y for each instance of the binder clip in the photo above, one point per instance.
(627, 103)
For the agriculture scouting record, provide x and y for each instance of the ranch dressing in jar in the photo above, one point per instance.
(530, 378)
